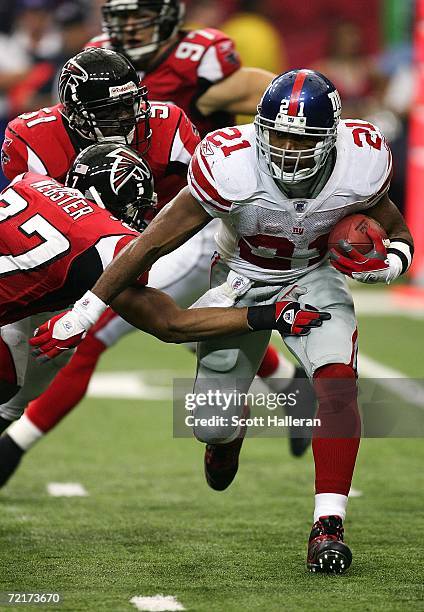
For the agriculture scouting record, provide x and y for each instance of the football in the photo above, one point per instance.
(354, 229)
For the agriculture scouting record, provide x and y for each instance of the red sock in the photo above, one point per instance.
(335, 453)
(270, 362)
(68, 388)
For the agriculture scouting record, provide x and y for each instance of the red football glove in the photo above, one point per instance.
(289, 317)
(66, 330)
(372, 267)
(60, 333)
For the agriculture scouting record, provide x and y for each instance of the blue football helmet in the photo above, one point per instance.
(305, 106)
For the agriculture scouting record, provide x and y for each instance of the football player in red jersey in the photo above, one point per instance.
(47, 142)
(198, 70)
(68, 239)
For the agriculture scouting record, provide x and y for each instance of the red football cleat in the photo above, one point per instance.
(327, 552)
(221, 460)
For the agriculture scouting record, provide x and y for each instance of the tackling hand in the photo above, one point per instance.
(375, 266)
(66, 330)
(289, 317)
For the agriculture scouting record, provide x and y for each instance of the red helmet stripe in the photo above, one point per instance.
(296, 91)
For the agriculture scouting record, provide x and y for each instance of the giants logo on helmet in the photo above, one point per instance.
(125, 167)
(336, 103)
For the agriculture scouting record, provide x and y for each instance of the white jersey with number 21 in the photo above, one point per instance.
(265, 235)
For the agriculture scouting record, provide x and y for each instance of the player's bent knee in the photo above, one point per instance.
(335, 370)
(220, 361)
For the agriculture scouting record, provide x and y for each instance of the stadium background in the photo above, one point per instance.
(148, 524)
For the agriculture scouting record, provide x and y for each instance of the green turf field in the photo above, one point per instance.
(150, 525)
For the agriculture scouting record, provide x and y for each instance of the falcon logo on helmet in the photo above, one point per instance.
(127, 166)
(71, 76)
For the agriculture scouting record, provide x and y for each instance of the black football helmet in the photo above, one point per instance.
(103, 100)
(138, 28)
(117, 178)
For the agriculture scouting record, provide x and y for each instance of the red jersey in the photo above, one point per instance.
(196, 61)
(41, 142)
(54, 245)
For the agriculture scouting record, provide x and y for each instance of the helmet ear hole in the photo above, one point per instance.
(304, 106)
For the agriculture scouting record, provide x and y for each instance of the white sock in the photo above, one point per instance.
(24, 433)
(327, 504)
(282, 376)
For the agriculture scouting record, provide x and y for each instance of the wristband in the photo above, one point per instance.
(403, 251)
(89, 309)
(261, 317)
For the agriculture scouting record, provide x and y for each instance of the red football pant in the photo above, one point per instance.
(70, 385)
(335, 444)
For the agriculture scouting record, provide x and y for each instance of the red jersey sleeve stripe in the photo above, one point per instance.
(204, 197)
(296, 91)
(204, 160)
(202, 181)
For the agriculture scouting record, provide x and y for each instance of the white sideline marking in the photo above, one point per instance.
(410, 390)
(129, 385)
(66, 489)
(157, 603)
(355, 492)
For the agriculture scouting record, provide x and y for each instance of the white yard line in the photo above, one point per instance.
(66, 489)
(129, 385)
(134, 385)
(157, 603)
(409, 390)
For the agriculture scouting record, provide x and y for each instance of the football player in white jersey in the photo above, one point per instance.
(279, 185)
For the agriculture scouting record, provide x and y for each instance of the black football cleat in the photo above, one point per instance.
(10, 457)
(221, 463)
(305, 408)
(327, 553)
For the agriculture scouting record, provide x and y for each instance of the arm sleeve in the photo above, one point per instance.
(383, 176)
(185, 141)
(203, 186)
(219, 61)
(17, 157)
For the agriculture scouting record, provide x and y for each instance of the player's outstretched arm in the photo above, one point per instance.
(156, 313)
(239, 93)
(175, 224)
